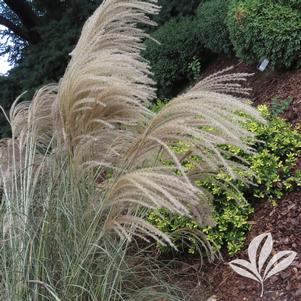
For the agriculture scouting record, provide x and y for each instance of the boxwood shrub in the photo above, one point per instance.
(292, 3)
(212, 25)
(179, 45)
(175, 8)
(270, 29)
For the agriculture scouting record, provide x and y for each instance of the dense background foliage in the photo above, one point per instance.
(212, 26)
(176, 8)
(180, 43)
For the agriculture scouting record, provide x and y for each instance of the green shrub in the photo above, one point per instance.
(194, 70)
(265, 29)
(271, 172)
(180, 44)
(212, 26)
(292, 3)
(175, 8)
(158, 105)
(273, 161)
(279, 105)
(177, 226)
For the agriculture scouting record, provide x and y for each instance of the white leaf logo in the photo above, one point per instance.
(253, 269)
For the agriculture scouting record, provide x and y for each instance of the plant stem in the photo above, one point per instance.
(261, 289)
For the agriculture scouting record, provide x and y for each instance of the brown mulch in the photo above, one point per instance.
(282, 221)
(266, 85)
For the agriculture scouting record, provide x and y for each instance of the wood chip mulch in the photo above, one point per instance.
(266, 85)
(284, 223)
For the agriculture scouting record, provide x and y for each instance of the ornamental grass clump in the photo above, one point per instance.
(86, 158)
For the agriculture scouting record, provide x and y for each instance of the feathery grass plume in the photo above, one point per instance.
(35, 117)
(59, 213)
(107, 86)
(202, 120)
(225, 82)
(31, 124)
(103, 101)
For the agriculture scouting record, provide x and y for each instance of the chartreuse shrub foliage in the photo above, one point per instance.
(274, 160)
(212, 25)
(276, 150)
(270, 29)
(180, 43)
